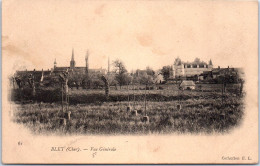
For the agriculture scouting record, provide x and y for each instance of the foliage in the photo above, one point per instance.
(51, 81)
(166, 72)
(121, 76)
(75, 79)
(145, 77)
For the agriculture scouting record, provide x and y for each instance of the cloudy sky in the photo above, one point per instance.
(140, 33)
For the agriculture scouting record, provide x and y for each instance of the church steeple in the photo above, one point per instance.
(86, 59)
(210, 64)
(72, 57)
(72, 62)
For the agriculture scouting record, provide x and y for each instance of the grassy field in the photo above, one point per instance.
(202, 111)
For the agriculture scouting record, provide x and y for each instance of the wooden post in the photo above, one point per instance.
(67, 115)
(63, 121)
(128, 108)
(134, 113)
(145, 119)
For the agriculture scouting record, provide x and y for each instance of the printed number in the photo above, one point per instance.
(20, 143)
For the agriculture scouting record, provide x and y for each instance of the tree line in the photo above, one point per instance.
(118, 77)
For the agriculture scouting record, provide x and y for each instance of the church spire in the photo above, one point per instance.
(72, 57)
(210, 62)
(72, 62)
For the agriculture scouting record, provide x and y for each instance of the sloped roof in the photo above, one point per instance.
(61, 68)
(195, 63)
(187, 83)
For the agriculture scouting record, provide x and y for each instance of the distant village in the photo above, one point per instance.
(197, 71)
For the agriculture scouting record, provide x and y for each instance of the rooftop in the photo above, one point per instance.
(187, 83)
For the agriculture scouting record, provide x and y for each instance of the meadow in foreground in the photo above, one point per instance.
(201, 112)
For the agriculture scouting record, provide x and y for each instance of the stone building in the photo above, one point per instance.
(181, 69)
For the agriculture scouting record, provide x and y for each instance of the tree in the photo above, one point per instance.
(121, 75)
(87, 81)
(97, 83)
(146, 79)
(51, 81)
(166, 72)
(104, 79)
(150, 71)
(75, 79)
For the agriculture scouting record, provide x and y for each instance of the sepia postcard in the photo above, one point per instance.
(129, 82)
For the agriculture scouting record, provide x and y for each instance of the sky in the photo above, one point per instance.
(140, 33)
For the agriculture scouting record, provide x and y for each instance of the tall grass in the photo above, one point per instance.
(202, 112)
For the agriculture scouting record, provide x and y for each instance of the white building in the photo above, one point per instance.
(182, 69)
(187, 85)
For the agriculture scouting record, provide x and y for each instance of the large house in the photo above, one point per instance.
(181, 69)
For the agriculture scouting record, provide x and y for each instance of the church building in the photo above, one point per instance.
(79, 70)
